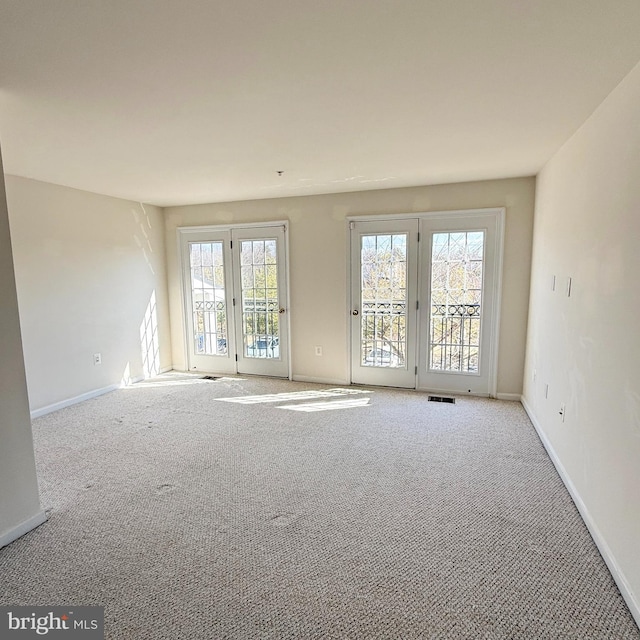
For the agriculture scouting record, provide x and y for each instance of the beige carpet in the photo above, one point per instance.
(307, 515)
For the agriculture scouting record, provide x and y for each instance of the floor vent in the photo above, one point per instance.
(442, 399)
(210, 377)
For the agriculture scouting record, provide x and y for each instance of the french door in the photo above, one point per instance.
(383, 318)
(260, 294)
(235, 299)
(425, 294)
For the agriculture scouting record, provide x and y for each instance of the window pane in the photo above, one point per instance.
(208, 298)
(456, 301)
(383, 260)
(259, 277)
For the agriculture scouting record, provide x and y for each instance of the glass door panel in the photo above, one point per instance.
(208, 297)
(384, 262)
(459, 284)
(260, 281)
(456, 301)
(383, 338)
(259, 295)
(208, 300)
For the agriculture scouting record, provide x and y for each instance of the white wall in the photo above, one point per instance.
(19, 503)
(318, 264)
(87, 267)
(587, 347)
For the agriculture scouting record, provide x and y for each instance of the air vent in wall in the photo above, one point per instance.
(442, 399)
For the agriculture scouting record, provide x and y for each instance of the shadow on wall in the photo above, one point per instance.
(149, 345)
(149, 341)
(144, 224)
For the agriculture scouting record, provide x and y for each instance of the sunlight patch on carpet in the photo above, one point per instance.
(328, 406)
(295, 395)
(178, 382)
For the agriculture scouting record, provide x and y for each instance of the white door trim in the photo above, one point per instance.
(237, 225)
(461, 213)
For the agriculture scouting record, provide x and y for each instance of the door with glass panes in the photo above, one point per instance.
(235, 299)
(384, 298)
(460, 283)
(261, 309)
(424, 296)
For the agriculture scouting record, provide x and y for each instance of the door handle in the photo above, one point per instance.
(355, 312)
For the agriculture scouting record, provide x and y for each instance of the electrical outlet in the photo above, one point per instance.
(562, 412)
(318, 351)
(97, 358)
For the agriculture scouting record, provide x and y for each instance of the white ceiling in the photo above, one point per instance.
(178, 102)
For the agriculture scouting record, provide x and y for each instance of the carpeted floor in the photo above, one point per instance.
(346, 515)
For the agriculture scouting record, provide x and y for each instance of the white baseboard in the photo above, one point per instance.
(511, 397)
(24, 527)
(319, 380)
(36, 413)
(598, 538)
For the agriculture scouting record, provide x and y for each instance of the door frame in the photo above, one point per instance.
(181, 235)
(500, 214)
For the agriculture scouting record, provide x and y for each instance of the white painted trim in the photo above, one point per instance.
(349, 275)
(24, 527)
(497, 302)
(225, 227)
(287, 276)
(605, 551)
(183, 300)
(457, 213)
(36, 413)
(510, 397)
(319, 380)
